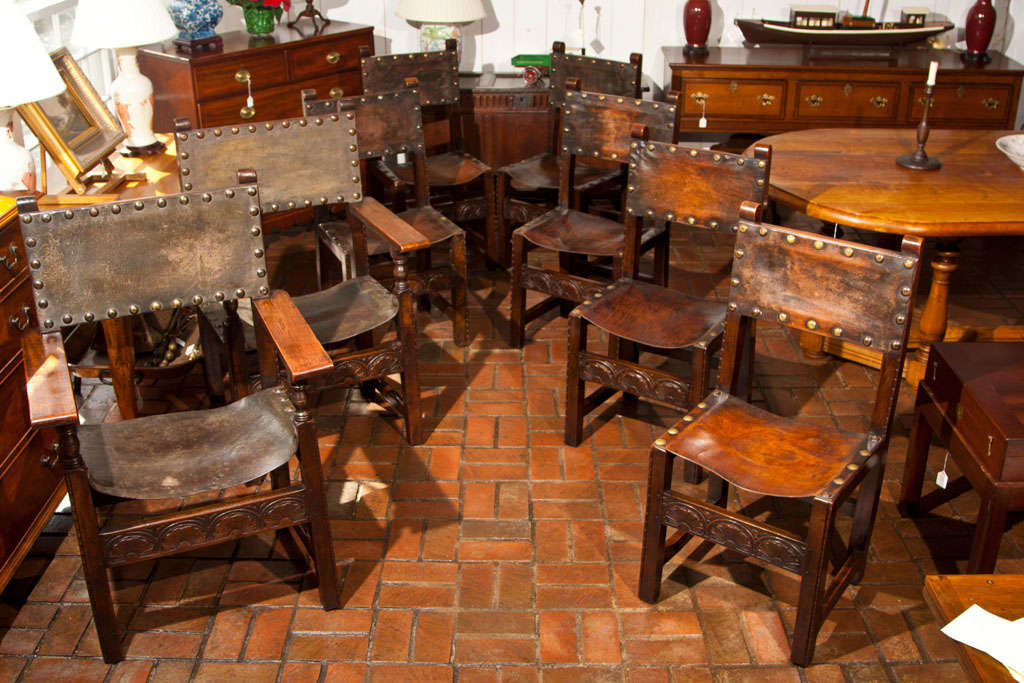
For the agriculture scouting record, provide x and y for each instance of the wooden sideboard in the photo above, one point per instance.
(776, 89)
(31, 481)
(211, 87)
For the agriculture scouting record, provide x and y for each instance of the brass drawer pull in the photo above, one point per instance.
(765, 99)
(879, 101)
(15, 320)
(247, 112)
(242, 76)
(990, 103)
(50, 459)
(700, 97)
(336, 93)
(10, 262)
(333, 57)
(814, 100)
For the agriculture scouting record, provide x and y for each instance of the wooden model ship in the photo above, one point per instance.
(820, 26)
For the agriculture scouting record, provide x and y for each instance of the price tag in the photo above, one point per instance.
(942, 479)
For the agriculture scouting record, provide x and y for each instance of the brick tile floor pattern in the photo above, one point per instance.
(493, 552)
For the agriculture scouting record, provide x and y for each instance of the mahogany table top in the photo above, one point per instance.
(1001, 594)
(850, 176)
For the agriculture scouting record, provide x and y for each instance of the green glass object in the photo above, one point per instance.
(258, 20)
(543, 60)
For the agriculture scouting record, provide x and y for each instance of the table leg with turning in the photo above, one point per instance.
(936, 308)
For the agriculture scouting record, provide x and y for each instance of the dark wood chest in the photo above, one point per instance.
(211, 87)
(980, 388)
(31, 484)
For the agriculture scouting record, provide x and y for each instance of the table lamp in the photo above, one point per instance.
(31, 77)
(440, 19)
(124, 25)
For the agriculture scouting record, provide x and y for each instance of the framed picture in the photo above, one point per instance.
(75, 128)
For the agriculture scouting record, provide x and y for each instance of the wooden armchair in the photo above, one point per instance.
(116, 260)
(595, 126)
(668, 183)
(451, 170)
(390, 123)
(314, 162)
(523, 190)
(826, 287)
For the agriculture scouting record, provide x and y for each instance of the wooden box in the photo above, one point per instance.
(980, 388)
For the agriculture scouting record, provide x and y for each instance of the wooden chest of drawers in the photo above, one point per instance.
(775, 89)
(211, 88)
(31, 484)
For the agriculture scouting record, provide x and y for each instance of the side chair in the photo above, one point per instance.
(390, 123)
(314, 162)
(826, 287)
(595, 126)
(452, 170)
(525, 190)
(121, 259)
(672, 184)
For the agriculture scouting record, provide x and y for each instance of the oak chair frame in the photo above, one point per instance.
(392, 123)
(872, 307)
(674, 184)
(325, 150)
(73, 289)
(439, 89)
(596, 126)
(621, 79)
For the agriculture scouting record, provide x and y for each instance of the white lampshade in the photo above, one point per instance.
(121, 23)
(29, 75)
(441, 11)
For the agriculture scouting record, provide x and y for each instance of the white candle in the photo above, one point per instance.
(933, 69)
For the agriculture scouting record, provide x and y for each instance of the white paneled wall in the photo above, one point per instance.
(614, 28)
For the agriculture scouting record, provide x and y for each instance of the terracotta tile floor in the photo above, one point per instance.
(494, 552)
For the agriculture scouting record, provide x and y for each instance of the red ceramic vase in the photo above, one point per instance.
(696, 25)
(981, 22)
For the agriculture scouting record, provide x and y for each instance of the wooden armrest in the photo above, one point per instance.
(300, 351)
(51, 400)
(378, 217)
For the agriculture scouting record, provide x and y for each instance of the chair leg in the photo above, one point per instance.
(813, 583)
(700, 380)
(410, 368)
(864, 518)
(460, 291)
(652, 552)
(496, 249)
(316, 502)
(575, 389)
(423, 264)
(917, 459)
(628, 351)
(87, 530)
(502, 234)
(517, 314)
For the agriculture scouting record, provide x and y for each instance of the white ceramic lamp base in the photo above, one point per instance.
(133, 100)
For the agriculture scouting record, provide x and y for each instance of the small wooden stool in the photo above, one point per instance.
(972, 398)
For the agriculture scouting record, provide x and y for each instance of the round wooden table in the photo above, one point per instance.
(850, 176)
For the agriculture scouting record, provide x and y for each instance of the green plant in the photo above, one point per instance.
(279, 6)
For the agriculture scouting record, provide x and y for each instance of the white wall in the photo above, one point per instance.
(614, 28)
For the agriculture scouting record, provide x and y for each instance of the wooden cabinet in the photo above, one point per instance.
(211, 87)
(503, 120)
(31, 484)
(775, 89)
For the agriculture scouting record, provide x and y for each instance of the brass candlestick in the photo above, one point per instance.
(919, 160)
